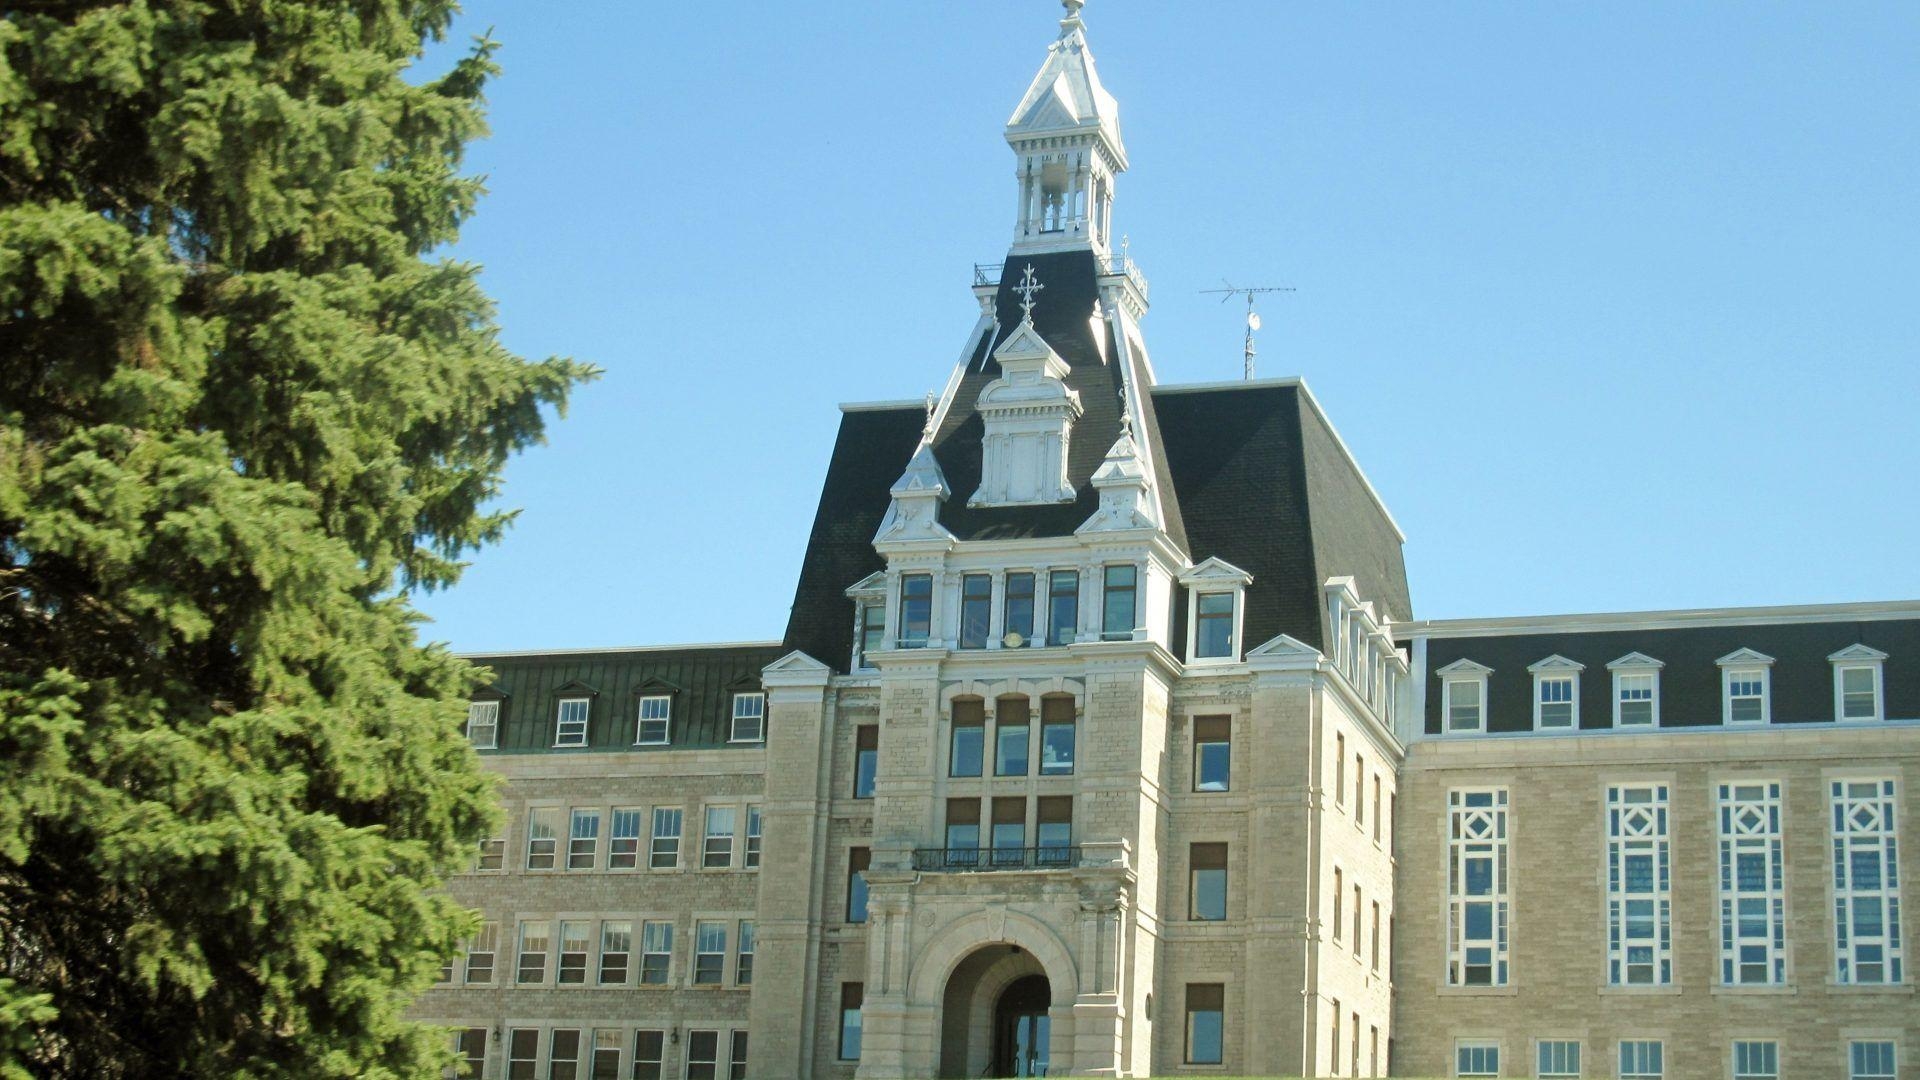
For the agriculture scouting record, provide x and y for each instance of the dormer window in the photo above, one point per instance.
(1746, 693)
(1216, 610)
(1463, 697)
(570, 722)
(656, 715)
(1636, 691)
(873, 631)
(1858, 683)
(483, 724)
(1118, 594)
(1556, 694)
(749, 718)
(869, 596)
(916, 610)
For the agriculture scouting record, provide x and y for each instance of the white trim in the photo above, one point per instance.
(1557, 668)
(734, 717)
(1870, 611)
(640, 719)
(691, 647)
(1732, 840)
(493, 741)
(1463, 673)
(1215, 577)
(586, 722)
(1634, 665)
(1744, 664)
(1859, 658)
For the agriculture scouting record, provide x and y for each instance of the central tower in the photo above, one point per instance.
(1065, 135)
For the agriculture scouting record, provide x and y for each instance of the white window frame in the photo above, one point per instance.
(1475, 832)
(609, 928)
(561, 723)
(641, 820)
(1738, 835)
(1463, 673)
(1865, 821)
(1566, 1059)
(1744, 666)
(491, 711)
(1645, 1066)
(655, 836)
(714, 842)
(1212, 576)
(663, 704)
(739, 698)
(551, 816)
(1859, 658)
(1751, 1070)
(1892, 1066)
(1485, 1067)
(1555, 669)
(1634, 829)
(1630, 666)
(646, 949)
(591, 849)
(702, 928)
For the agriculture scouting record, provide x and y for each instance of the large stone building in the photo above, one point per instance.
(1101, 742)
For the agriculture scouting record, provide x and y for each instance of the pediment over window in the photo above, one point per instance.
(658, 685)
(1744, 658)
(1556, 663)
(871, 587)
(576, 688)
(1286, 647)
(1858, 653)
(489, 692)
(1464, 667)
(1635, 660)
(1216, 571)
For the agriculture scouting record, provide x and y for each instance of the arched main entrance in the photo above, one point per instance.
(995, 1018)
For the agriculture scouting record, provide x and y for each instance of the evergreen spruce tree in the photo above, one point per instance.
(244, 412)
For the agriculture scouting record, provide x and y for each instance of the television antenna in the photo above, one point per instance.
(1253, 317)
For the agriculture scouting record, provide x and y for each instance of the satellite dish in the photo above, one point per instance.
(1013, 640)
(1253, 320)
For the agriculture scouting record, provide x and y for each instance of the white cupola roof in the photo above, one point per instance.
(1066, 97)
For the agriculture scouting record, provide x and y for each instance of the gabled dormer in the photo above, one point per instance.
(1028, 414)
(915, 511)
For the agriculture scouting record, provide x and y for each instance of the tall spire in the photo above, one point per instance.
(1065, 133)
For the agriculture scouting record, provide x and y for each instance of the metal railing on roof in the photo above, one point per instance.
(975, 860)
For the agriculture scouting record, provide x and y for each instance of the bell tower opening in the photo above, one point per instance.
(1065, 134)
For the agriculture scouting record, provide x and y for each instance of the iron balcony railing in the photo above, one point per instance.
(989, 273)
(986, 273)
(965, 860)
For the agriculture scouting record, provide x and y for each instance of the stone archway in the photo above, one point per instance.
(966, 972)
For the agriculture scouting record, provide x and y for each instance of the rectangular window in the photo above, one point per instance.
(866, 759)
(1012, 724)
(1118, 593)
(1339, 769)
(851, 995)
(963, 832)
(533, 952)
(1756, 1060)
(1554, 704)
(1056, 735)
(543, 837)
(563, 1054)
(1212, 753)
(737, 1057)
(570, 723)
(606, 1054)
(1359, 791)
(1559, 1059)
(969, 737)
(1009, 830)
(1476, 1059)
(623, 842)
(1357, 909)
(858, 859)
(1019, 613)
(1376, 808)
(1053, 830)
(1207, 884)
(656, 721)
(1639, 887)
(1464, 704)
(717, 853)
(703, 1055)
(575, 936)
(976, 607)
(616, 952)
(743, 954)
(493, 854)
(1339, 922)
(749, 718)
(523, 1054)
(1213, 626)
(1373, 937)
(1206, 1023)
(471, 1045)
(649, 1051)
(656, 952)
(752, 858)
(1870, 1060)
(1477, 887)
(583, 840)
(1063, 606)
(1858, 687)
(709, 953)
(665, 852)
(480, 953)
(1634, 701)
(873, 632)
(483, 724)
(1642, 1059)
(1746, 695)
(916, 610)
(1333, 1042)
(1753, 924)
(1866, 883)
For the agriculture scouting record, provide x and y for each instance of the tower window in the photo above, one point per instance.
(916, 610)
(1213, 635)
(976, 603)
(1117, 597)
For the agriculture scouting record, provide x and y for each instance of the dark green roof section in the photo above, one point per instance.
(700, 679)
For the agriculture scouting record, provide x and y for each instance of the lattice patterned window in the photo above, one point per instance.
(1866, 882)
(1639, 887)
(1753, 919)
(1477, 894)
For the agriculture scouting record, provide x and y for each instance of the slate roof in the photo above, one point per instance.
(701, 679)
(1802, 676)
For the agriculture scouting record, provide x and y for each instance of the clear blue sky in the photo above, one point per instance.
(1616, 304)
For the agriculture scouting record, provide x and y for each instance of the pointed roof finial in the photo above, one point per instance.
(1073, 11)
(1026, 289)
